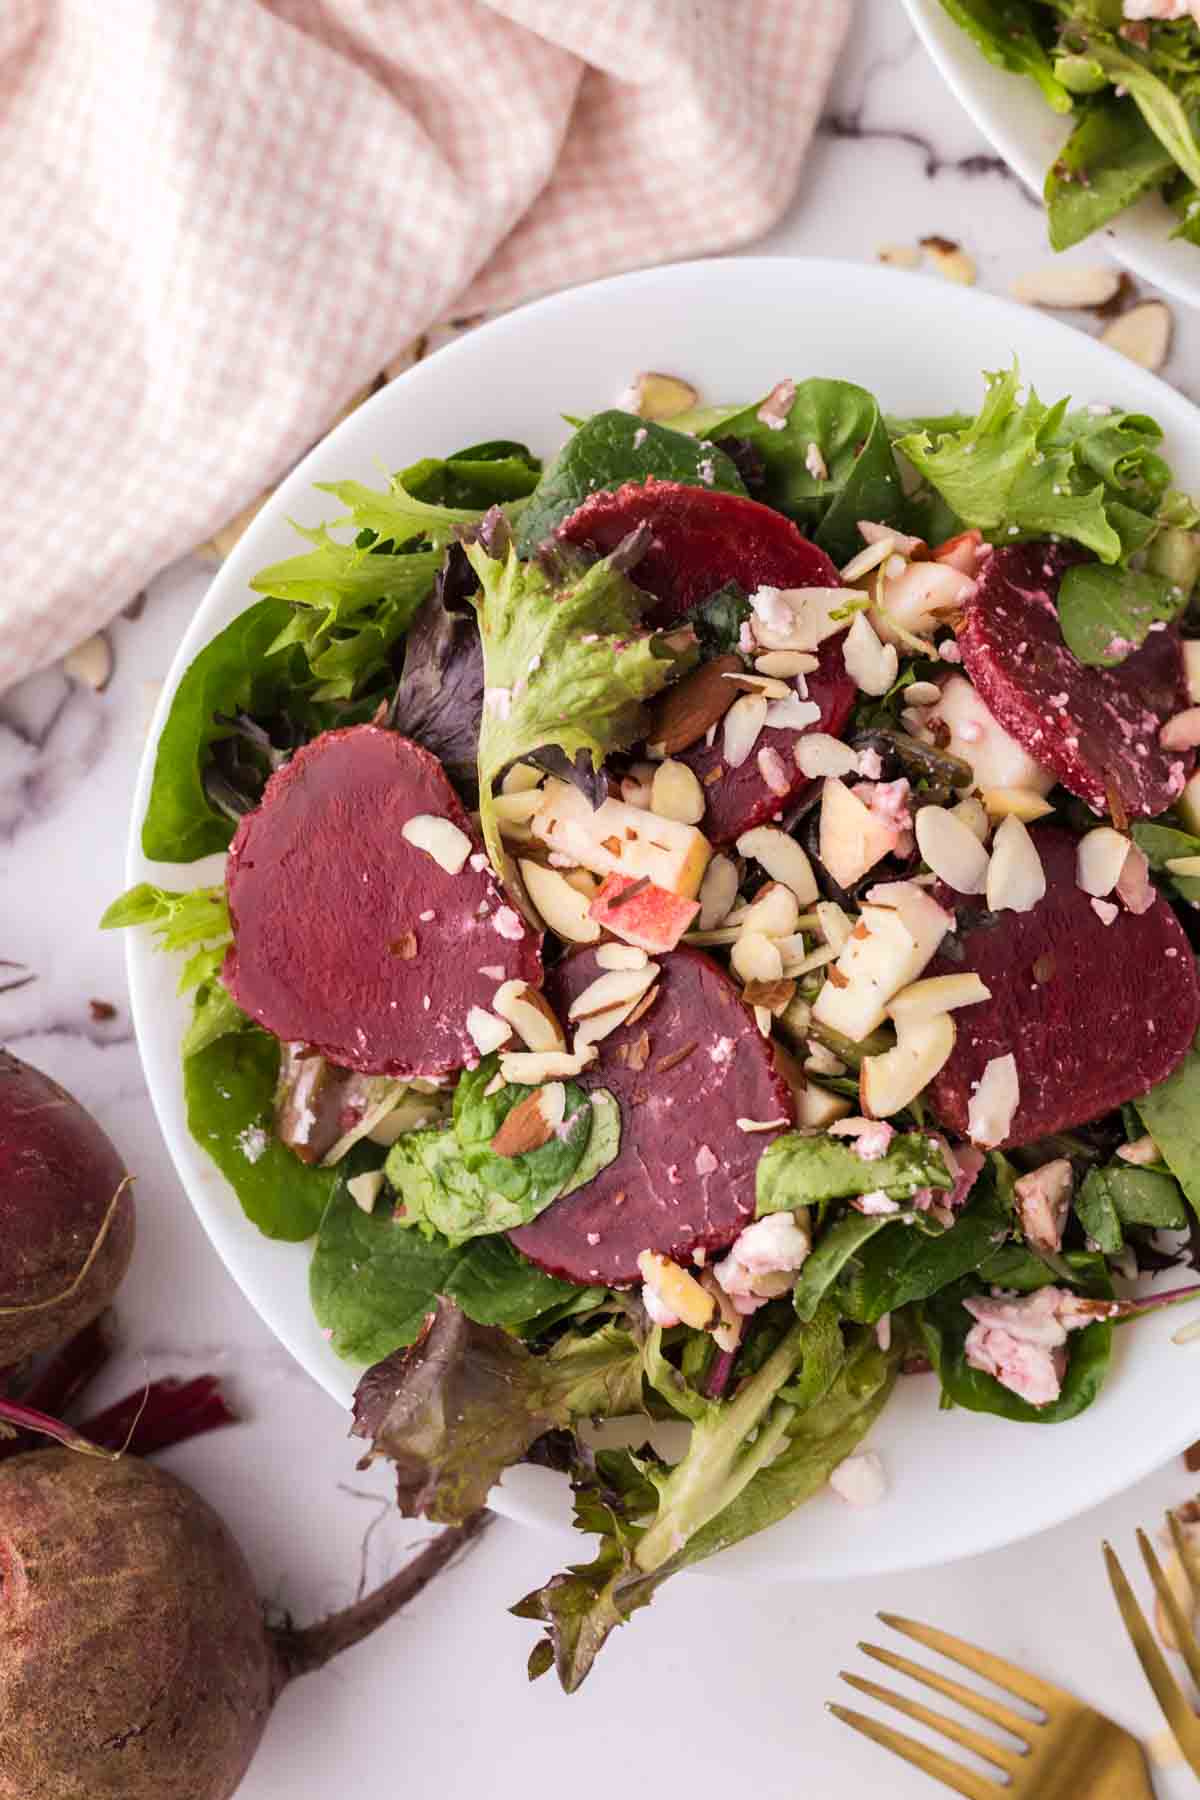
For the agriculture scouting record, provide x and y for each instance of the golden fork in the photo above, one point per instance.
(1070, 1753)
(1175, 1704)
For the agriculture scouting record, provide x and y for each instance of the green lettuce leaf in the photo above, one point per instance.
(1105, 613)
(567, 662)
(1008, 34)
(1163, 843)
(1170, 1112)
(178, 920)
(1167, 113)
(809, 1171)
(608, 450)
(1110, 160)
(482, 475)
(899, 1265)
(467, 1401)
(1123, 1194)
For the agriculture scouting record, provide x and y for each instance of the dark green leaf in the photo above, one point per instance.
(807, 1171)
(1007, 33)
(838, 1244)
(1171, 1114)
(718, 620)
(480, 476)
(901, 1265)
(496, 1286)
(1110, 160)
(372, 1283)
(1105, 613)
(1123, 1194)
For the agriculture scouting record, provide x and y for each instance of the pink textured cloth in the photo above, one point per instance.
(222, 217)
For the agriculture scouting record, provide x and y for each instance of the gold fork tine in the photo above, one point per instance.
(992, 1668)
(995, 1710)
(1186, 1552)
(932, 1762)
(1006, 1760)
(1185, 1637)
(1178, 1713)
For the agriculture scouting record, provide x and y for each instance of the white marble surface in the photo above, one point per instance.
(716, 1688)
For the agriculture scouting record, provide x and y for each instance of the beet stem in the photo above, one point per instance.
(718, 1375)
(301, 1651)
(25, 1418)
(1136, 1309)
(162, 1414)
(72, 1369)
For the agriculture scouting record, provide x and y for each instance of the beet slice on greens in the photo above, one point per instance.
(682, 1073)
(1096, 728)
(1094, 1014)
(326, 897)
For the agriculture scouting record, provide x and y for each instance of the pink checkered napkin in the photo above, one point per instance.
(222, 217)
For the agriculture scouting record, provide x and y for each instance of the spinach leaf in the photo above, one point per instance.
(1170, 1112)
(603, 1142)
(229, 1087)
(944, 1324)
(900, 1265)
(232, 674)
(1123, 1194)
(1007, 33)
(1105, 613)
(1162, 844)
(481, 475)
(1110, 160)
(373, 1284)
(608, 450)
(844, 424)
(1165, 111)
(496, 1286)
(718, 620)
(842, 1241)
(807, 1171)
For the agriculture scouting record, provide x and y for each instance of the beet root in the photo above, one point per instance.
(134, 1660)
(66, 1214)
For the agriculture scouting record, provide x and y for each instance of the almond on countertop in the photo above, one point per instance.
(1067, 284)
(90, 662)
(1143, 334)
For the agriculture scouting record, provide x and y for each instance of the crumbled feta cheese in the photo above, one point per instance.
(876, 1203)
(252, 1142)
(508, 923)
(860, 1480)
(872, 1137)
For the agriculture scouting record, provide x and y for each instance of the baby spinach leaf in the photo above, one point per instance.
(944, 1324)
(608, 450)
(1110, 160)
(529, 1181)
(495, 1285)
(1106, 613)
(718, 620)
(1123, 1194)
(229, 1086)
(1170, 1112)
(807, 1171)
(603, 1142)
(481, 475)
(373, 1284)
(1006, 31)
(900, 1265)
(837, 1245)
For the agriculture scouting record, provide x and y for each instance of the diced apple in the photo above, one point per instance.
(961, 552)
(915, 599)
(900, 927)
(889, 1083)
(653, 919)
(978, 738)
(616, 839)
(816, 1107)
(852, 837)
(1188, 805)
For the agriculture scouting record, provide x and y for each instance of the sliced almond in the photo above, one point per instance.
(1143, 334)
(922, 1000)
(817, 755)
(950, 260)
(562, 907)
(889, 1083)
(952, 850)
(532, 1122)
(616, 987)
(1099, 859)
(530, 1014)
(486, 1031)
(774, 911)
(835, 924)
(678, 1291)
(973, 814)
(1182, 732)
(652, 395)
(517, 808)
(769, 686)
(743, 723)
(365, 1189)
(621, 956)
(680, 715)
(871, 665)
(439, 838)
(783, 859)
(718, 891)
(786, 663)
(1015, 802)
(994, 1103)
(675, 793)
(90, 662)
(755, 958)
(1066, 284)
(899, 256)
(529, 1068)
(1143, 1150)
(1016, 880)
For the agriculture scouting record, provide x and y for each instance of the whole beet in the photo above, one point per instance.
(66, 1214)
(134, 1660)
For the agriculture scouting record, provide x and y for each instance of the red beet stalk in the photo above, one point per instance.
(67, 1374)
(156, 1417)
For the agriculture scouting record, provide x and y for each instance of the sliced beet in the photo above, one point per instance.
(1097, 729)
(702, 540)
(738, 799)
(327, 896)
(683, 1074)
(1094, 1014)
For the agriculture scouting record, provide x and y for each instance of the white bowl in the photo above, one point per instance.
(1012, 115)
(959, 1482)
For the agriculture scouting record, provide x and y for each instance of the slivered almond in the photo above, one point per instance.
(533, 1121)
(952, 850)
(783, 859)
(563, 908)
(1143, 334)
(1015, 802)
(973, 814)
(1066, 284)
(1183, 731)
(531, 1014)
(486, 1031)
(817, 755)
(786, 663)
(1016, 880)
(528, 1068)
(769, 686)
(614, 988)
(950, 260)
(718, 891)
(936, 994)
(621, 956)
(675, 793)
(776, 996)
(652, 395)
(1099, 859)
(755, 958)
(439, 838)
(871, 666)
(743, 723)
(680, 715)
(90, 662)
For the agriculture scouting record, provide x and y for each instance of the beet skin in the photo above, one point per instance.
(350, 939)
(64, 1198)
(1094, 1014)
(684, 1177)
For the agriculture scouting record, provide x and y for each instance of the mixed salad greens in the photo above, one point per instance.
(788, 1074)
(1129, 72)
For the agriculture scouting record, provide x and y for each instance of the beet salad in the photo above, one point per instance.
(707, 933)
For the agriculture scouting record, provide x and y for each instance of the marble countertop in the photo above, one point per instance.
(717, 1686)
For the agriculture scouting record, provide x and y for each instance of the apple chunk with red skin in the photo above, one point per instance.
(852, 837)
(652, 918)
